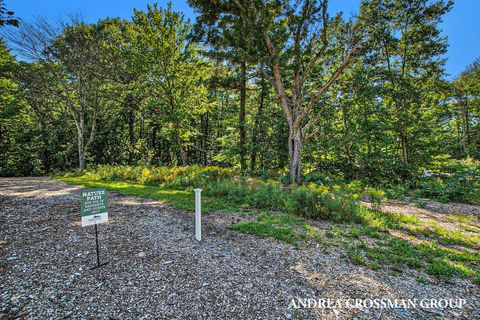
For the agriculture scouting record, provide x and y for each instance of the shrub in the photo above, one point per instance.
(450, 181)
(181, 177)
(375, 197)
(303, 201)
(312, 200)
(281, 227)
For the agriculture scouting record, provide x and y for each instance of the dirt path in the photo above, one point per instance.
(157, 270)
(410, 206)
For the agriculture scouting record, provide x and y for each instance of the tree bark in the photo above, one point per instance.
(295, 144)
(205, 139)
(80, 124)
(466, 130)
(81, 150)
(241, 116)
(459, 133)
(154, 143)
(404, 143)
(256, 128)
(46, 152)
(182, 155)
(131, 128)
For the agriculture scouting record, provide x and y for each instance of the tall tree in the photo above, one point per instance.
(175, 75)
(70, 52)
(75, 54)
(408, 53)
(297, 41)
(465, 106)
(39, 92)
(231, 45)
(124, 68)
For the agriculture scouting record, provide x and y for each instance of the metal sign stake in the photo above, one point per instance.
(98, 251)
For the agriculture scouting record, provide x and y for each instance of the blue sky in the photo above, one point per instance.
(461, 25)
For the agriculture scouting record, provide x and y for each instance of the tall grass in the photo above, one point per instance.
(312, 200)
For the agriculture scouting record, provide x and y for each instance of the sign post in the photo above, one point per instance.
(94, 211)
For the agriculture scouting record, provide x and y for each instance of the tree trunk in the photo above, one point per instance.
(256, 128)
(349, 171)
(466, 131)
(182, 155)
(46, 161)
(295, 145)
(241, 116)
(80, 140)
(404, 149)
(205, 139)
(45, 153)
(459, 133)
(131, 128)
(154, 143)
(81, 151)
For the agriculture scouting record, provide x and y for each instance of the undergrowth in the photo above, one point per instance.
(227, 191)
(223, 189)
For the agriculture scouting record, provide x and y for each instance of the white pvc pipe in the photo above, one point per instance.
(198, 214)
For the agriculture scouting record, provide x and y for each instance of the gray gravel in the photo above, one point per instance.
(157, 270)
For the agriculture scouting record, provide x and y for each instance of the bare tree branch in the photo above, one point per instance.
(328, 84)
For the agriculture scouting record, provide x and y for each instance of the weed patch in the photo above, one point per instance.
(282, 227)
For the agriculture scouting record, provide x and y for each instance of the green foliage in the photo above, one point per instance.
(21, 139)
(179, 177)
(282, 227)
(174, 76)
(355, 254)
(179, 198)
(441, 268)
(310, 201)
(375, 197)
(463, 114)
(451, 181)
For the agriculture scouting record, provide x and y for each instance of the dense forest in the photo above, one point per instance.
(281, 88)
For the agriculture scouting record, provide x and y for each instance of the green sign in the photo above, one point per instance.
(93, 204)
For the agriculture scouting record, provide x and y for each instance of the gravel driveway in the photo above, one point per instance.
(157, 270)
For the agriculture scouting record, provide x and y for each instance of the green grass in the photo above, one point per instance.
(388, 252)
(435, 260)
(355, 254)
(422, 281)
(450, 237)
(181, 199)
(469, 219)
(442, 268)
(283, 227)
